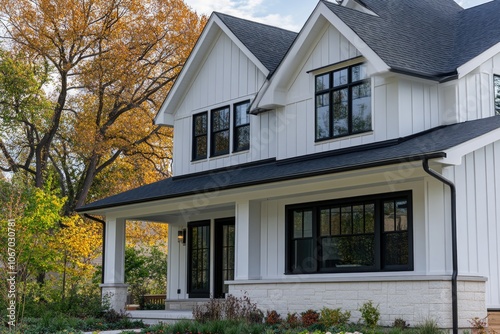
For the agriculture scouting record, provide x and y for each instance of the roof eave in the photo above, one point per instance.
(475, 62)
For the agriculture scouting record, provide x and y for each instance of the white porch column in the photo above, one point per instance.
(247, 257)
(114, 288)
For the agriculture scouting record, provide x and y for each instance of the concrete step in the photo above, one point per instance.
(184, 304)
(154, 317)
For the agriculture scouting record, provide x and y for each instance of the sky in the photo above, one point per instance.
(287, 14)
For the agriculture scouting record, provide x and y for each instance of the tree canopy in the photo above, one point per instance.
(80, 83)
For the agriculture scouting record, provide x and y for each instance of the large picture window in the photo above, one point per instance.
(343, 102)
(360, 234)
(241, 127)
(496, 83)
(200, 136)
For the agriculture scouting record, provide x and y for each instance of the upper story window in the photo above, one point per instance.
(241, 127)
(217, 141)
(496, 82)
(200, 136)
(361, 234)
(220, 131)
(343, 102)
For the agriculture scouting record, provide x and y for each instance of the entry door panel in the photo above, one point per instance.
(199, 259)
(224, 255)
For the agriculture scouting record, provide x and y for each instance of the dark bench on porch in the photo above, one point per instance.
(155, 299)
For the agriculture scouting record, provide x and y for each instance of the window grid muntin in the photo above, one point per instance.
(378, 200)
(330, 88)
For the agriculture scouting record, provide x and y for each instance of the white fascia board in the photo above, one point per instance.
(455, 154)
(475, 62)
(190, 68)
(302, 47)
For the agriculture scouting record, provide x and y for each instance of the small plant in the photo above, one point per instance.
(429, 326)
(230, 308)
(309, 318)
(400, 323)
(480, 326)
(292, 320)
(272, 318)
(334, 317)
(370, 314)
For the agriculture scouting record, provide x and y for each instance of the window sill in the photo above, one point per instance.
(217, 157)
(336, 139)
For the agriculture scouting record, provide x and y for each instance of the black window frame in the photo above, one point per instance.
(213, 133)
(330, 91)
(496, 94)
(378, 246)
(236, 127)
(195, 137)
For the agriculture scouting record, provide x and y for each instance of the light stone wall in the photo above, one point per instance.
(414, 301)
(115, 294)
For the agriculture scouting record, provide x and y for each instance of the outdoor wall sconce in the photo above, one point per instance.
(181, 236)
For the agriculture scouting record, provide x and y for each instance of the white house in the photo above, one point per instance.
(356, 160)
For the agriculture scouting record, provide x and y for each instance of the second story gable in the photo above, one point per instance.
(357, 73)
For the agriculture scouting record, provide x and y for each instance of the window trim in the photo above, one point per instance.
(194, 136)
(213, 133)
(236, 127)
(349, 85)
(378, 242)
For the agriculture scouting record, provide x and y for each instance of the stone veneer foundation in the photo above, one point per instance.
(116, 295)
(413, 299)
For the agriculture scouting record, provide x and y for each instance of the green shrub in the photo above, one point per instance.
(333, 317)
(370, 314)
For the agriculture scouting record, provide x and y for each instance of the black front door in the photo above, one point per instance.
(199, 259)
(224, 255)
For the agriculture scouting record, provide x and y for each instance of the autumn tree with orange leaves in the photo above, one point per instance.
(109, 66)
(80, 84)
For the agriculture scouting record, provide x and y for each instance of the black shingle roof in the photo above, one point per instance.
(428, 144)
(269, 44)
(430, 38)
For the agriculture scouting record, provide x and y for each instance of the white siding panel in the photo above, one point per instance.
(405, 108)
(478, 207)
(417, 107)
(435, 227)
(226, 77)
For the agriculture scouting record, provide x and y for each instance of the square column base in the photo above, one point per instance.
(115, 295)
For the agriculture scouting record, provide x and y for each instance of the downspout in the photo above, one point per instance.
(86, 215)
(453, 193)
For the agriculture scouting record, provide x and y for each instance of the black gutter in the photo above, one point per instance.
(453, 194)
(86, 215)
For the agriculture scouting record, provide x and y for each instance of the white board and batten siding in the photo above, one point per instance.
(226, 77)
(477, 181)
(401, 105)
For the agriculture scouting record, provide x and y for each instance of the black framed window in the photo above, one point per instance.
(372, 233)
(496, 84)
(200, 135)
(220, 131)
(241, 127)
(343, 102)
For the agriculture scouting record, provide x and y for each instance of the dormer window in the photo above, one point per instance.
(200, 135)
(220, 131)
(343, 102)
(496, 82)
(213, 136)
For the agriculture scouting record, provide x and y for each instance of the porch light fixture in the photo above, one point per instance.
(181, 236)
